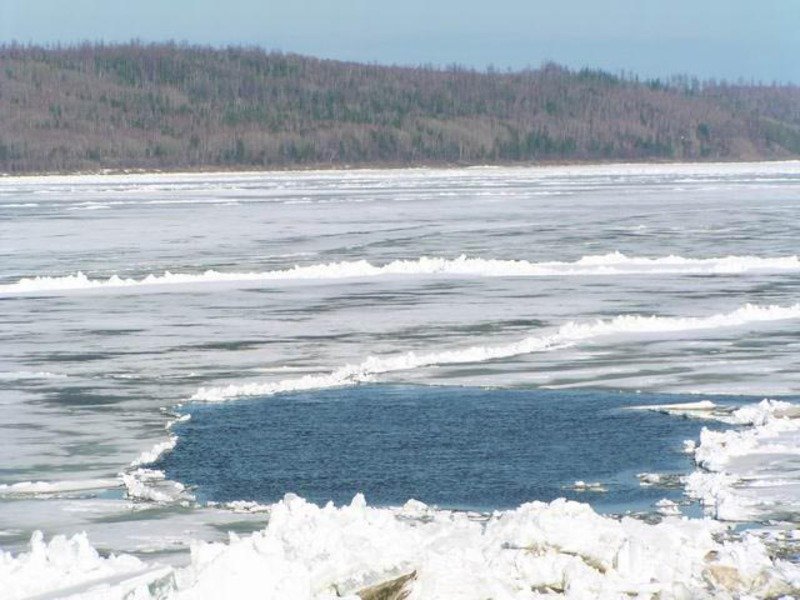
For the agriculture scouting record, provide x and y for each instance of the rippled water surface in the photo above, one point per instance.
(463, 448)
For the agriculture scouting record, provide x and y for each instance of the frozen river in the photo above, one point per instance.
(123, 298)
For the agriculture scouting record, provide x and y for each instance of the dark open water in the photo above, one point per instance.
(466, 448)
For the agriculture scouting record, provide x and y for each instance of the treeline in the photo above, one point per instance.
(171, 106)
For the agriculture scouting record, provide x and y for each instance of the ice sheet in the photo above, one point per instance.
(567, 335)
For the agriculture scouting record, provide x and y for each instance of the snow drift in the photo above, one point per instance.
(309, 552)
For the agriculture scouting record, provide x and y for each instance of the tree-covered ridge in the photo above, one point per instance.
(171, 106)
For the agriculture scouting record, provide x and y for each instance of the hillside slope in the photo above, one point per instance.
(170, 106)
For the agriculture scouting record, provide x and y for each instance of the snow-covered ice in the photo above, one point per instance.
(161, 283)
(750, 473)
(538, 549)
(567, 335)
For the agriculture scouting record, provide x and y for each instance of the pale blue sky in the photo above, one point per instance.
(710, 38)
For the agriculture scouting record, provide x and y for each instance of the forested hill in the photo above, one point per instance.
(170, 107)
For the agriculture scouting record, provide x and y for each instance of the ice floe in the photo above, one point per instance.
(701, 408)
(153, 486)
(649, 478)
(584, 486)
(668, 507)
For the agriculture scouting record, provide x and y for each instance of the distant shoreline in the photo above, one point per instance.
(166, 108)
(248, 169)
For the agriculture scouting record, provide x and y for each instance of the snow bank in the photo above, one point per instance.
(567, 335)
(611, 264)
(748, 473)
(307, 552)
(71, 568)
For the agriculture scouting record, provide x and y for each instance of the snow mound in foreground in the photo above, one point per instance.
(308, 552)
(72, 568)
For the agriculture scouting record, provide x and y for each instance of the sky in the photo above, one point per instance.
(723, 39)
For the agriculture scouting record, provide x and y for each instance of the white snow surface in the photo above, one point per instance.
(611, 264)
(150, 456)
(567, 335)
(152, 485)
(311, 552)
(748, 473)
(70, 568)
(48, 488)
(679, 408)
